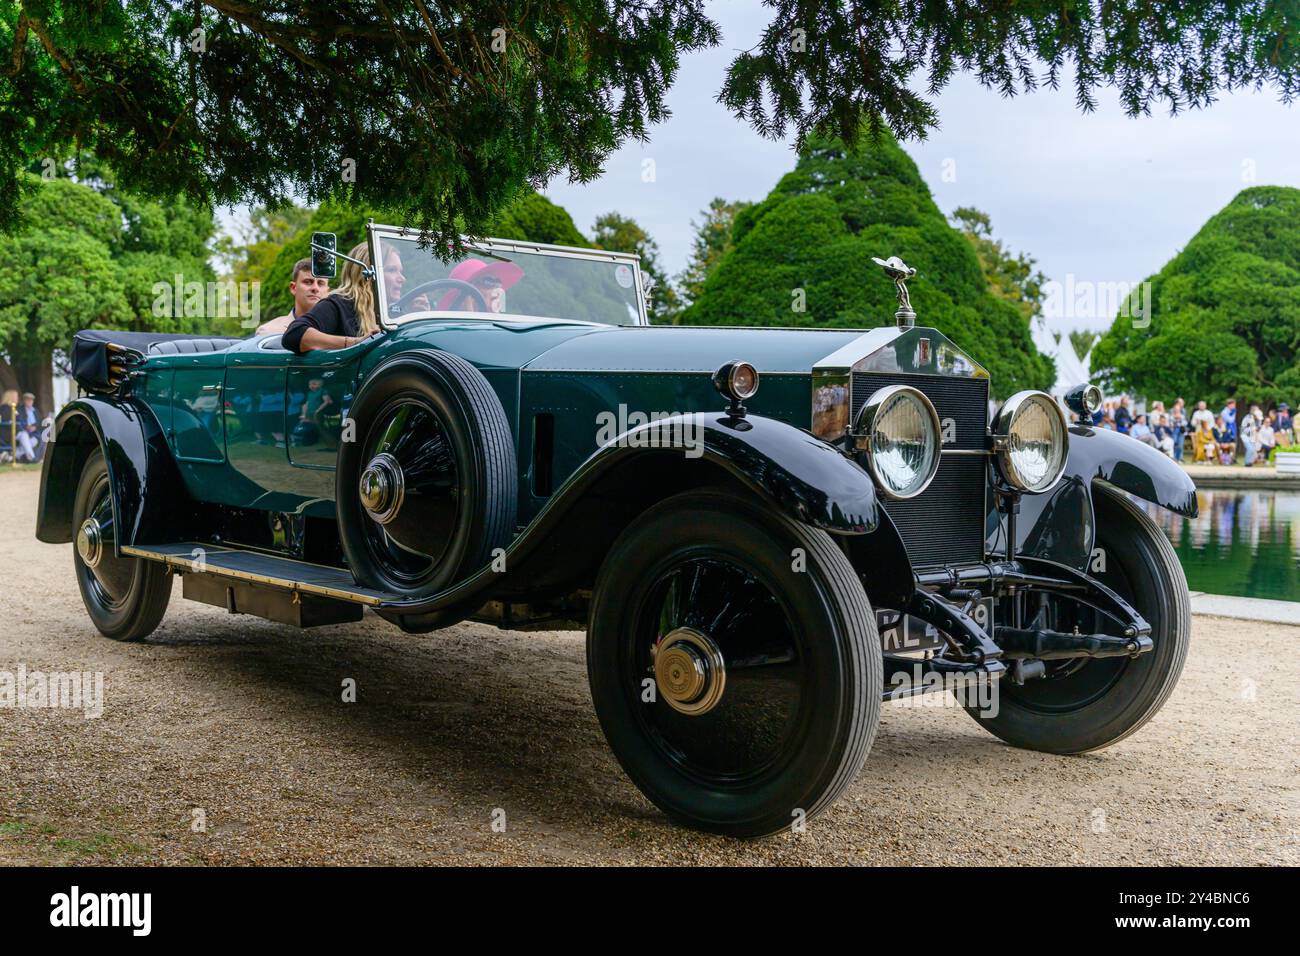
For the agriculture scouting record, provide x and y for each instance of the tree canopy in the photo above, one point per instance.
(444, 113)
(1225, 311)
(92, 256)
(713, 240)
(802, 257)
(618, 233)
(844, 67)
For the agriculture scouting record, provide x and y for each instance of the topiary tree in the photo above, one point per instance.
(534, 218)
(1225, 312)
(802, 257)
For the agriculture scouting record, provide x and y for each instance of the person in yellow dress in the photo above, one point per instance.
(1203, 442)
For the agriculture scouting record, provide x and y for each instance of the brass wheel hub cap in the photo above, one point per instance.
(689, 671)
(90, 542)
(382, 487)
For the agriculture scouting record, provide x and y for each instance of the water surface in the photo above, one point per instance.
(1243, 543)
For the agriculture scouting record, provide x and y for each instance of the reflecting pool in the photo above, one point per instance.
(1244, 543)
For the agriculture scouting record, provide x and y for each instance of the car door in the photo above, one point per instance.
(292, 410)
(320, 389)
(198, 409)
(256, 441)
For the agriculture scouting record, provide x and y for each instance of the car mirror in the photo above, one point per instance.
(323, 263)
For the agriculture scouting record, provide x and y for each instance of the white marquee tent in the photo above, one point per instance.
(1070, 369)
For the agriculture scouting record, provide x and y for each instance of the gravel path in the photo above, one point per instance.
(225, 740)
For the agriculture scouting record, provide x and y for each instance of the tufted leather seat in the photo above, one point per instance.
(191, 346)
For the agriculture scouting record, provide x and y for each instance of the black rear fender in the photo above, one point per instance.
(149, 500)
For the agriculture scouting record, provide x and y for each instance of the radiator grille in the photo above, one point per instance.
(945, 523)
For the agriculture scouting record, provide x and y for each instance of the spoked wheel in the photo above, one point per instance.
(125, 597)
(409, 490)
(427, 490)
(1086, 704)
(734, 664)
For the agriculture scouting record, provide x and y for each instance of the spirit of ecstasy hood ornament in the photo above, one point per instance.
(900, 272)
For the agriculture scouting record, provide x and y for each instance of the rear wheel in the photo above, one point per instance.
(125, 597)
(1086, 704)
(734, 664)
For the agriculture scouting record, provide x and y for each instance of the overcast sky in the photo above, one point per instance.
(1102, 197)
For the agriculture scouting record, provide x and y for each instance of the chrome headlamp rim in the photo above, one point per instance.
(864, 430)
(1002, 441)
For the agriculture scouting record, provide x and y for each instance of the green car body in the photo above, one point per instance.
(235, 464)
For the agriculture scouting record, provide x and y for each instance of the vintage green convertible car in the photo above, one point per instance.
(757, 569)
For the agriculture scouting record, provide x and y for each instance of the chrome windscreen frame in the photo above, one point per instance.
(376, 233)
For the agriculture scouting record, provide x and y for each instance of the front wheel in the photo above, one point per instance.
(734, 664)
(126, 598)
(1087, 704)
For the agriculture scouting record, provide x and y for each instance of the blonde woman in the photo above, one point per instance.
(348, 314)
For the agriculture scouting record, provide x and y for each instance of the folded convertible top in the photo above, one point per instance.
(101, 358)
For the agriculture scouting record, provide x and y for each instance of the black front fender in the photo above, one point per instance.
(801, 474)
(142, 475)
(1060, 526)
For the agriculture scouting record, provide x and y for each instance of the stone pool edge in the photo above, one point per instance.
(1246, 609)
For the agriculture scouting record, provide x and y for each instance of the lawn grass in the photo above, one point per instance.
(99, 847)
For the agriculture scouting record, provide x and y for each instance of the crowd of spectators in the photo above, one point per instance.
(1203, 435)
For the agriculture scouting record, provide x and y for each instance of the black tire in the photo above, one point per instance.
(125, 597)
(803, 670)
(437, 415)
(1086, 705)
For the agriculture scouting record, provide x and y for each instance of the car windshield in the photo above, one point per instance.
(497, 278)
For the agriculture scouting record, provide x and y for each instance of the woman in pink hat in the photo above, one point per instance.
(491, 280)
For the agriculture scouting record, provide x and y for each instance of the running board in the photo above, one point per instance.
(266, 570)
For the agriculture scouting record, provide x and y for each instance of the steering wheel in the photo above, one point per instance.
(400, 306)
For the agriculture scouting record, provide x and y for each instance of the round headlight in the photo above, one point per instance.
(1031, 441)
(737, 381)
(898, 436)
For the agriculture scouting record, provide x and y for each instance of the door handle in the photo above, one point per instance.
(212, 388)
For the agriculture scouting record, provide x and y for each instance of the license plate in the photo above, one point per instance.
(901, 633)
